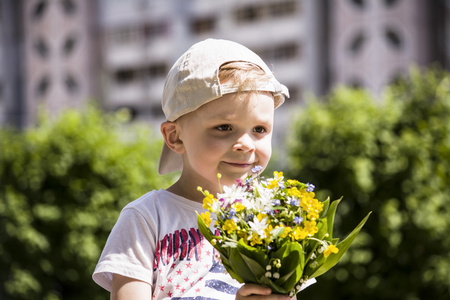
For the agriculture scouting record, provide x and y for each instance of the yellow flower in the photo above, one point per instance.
(299, 233)
(242, 235)
(255, 239)
(273, 184)
(206, 217)
(330, 249)
(294, 192)
(238, 206)
(268, 232)
(311, 227)
(278, 175)
(292, 182)
(260, 216)
(208, 200)
(229, 226)
(285, 232)
(311, 205)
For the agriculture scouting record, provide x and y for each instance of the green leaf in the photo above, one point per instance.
(209, 236)
(323, 229)
(292, 265)
(275, 288)
(326, 205)
(252, 252)
(330, 217)
(257, 269)
(230, 270)
(240, 267)
(343, 247)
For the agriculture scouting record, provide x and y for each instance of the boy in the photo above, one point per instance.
(219, 101)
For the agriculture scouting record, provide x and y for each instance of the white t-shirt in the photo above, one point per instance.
(156, 240)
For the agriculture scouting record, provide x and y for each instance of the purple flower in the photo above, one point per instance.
(295, 202)
(298, 220)
(310, 187)
(257, 169)
(231, 213)
(222, 204)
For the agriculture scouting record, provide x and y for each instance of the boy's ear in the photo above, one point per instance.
(171, 135)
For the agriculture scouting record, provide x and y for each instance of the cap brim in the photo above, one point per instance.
(169, 161)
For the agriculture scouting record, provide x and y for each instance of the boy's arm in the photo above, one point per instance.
(129, 288)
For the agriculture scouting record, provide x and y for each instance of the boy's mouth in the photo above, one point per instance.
(239, 164)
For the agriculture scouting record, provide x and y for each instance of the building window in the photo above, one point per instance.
(41, 48)
(361, 4)
(155, 30)
(357, 42)
(281, 52)
(283, 8)
(355, 83)
(68, 6)
(125, 76)
(393, 38)
(125, 36)
(69, 44)
(39, 10)
(156, 71)
(71, 84)
(203, 25)
(390, 3)
(43, 86)
(286, 52)
(248, 14)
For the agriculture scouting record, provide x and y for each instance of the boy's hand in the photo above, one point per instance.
(251, 291)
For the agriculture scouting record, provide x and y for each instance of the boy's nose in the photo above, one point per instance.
(244, 143)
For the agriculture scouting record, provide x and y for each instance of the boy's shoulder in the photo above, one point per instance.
(161, 199)
(147, 199)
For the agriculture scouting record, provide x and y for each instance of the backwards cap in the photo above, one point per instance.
(194, 81)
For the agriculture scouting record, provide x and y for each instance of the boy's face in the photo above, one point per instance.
(230, 136)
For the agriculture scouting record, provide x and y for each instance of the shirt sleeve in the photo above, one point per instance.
(129, 250)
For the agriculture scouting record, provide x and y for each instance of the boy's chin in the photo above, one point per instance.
(230, 180)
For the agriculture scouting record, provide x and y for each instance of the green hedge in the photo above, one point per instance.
(390, 156)
(63, 185)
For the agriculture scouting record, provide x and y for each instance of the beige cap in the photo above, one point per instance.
(194, 81)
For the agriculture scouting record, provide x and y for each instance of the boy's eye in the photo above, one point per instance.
(260, 130)
(224, 127)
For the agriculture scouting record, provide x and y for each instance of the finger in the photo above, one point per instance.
(253, 289)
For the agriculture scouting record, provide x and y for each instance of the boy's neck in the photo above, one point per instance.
(187, 191)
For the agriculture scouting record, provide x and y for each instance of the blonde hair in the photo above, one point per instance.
(246, 76)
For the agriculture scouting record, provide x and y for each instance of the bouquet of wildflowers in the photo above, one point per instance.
(273, 232)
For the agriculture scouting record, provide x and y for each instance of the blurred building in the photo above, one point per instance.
(142, 39)
(119, 51)
(49, 57)
(374, 42)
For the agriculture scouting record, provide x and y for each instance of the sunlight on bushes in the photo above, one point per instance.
(63, 186)
(391, 157)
